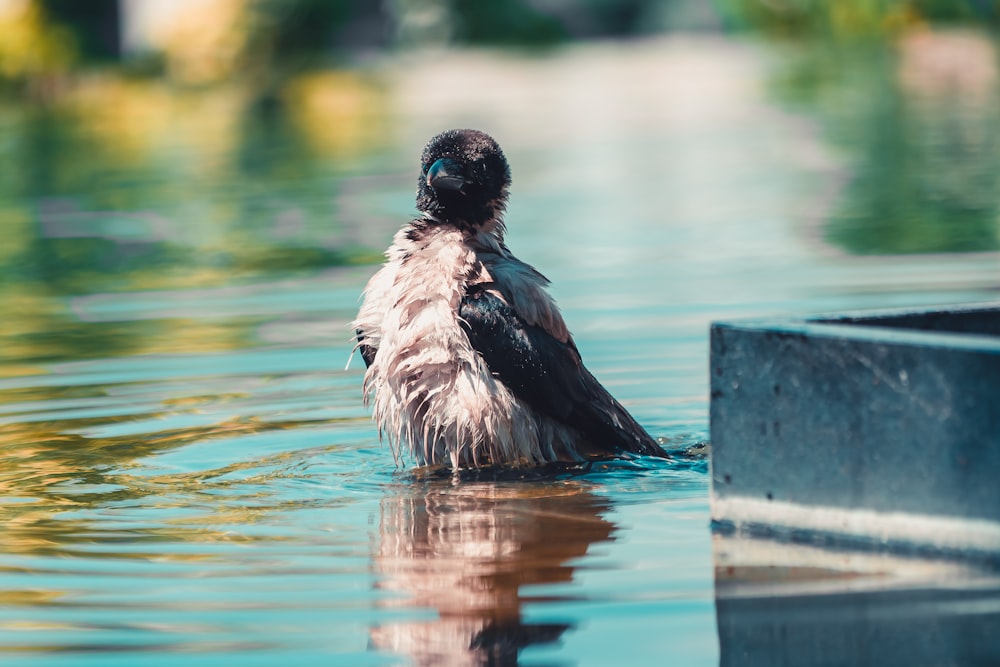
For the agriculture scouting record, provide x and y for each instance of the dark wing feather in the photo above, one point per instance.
(549, 375)
(367, 351)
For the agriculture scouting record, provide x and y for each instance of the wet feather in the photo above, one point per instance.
(434, 394)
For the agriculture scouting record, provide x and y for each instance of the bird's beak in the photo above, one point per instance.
(446, 174)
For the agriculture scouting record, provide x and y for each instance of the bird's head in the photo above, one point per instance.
(464, 179)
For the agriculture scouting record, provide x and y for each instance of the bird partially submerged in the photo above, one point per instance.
(469, 360)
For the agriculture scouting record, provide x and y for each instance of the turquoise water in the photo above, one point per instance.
(186, 469)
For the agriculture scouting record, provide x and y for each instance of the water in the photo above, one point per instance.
(187, 467)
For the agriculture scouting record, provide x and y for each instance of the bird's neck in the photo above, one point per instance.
(493, 227)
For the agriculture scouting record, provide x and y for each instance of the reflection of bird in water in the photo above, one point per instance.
(466, 551)
(469, 359)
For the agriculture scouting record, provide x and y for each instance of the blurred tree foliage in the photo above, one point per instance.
(302, 33)
(533, 23)
(853, 19)
(94, 25)
(33, 48)
(282, 36)
(510, 23)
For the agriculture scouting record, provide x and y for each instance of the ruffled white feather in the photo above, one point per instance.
(433, 395)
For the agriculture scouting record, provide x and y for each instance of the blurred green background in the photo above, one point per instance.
(157, 143)
(908, 88)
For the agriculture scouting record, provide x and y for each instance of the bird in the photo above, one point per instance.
(469, 362)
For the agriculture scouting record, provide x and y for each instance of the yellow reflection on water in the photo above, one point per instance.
(139, 121)
(129, 185)
(339, 111)
(38, 328)
(17, 225)
(30, 598)
(55, 486)
(134, 184)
